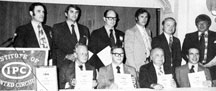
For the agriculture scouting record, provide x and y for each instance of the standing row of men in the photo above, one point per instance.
(138, 42)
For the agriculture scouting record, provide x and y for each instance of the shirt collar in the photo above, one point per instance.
(195, 66)
(108, 30)
(35, 24)
(205, 33)
(70, 23)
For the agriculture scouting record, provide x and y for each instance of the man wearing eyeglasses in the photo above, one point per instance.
(106, 74)
(105, 36)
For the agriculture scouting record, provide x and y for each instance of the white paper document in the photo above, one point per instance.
(167, 81)
(105, 56)
(84, 80)
(46, 78)
(196, 79)
(90, 54)
(124, 81)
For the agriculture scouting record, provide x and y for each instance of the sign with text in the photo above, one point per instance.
(17, 67)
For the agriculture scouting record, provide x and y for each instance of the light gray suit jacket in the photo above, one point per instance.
(106, 76)
(135, 48)
(182, 74)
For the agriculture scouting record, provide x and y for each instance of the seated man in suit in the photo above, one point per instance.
(191, 67)
(151, 73)
(67, 79)
(106, 74)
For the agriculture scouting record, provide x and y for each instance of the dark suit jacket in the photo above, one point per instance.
(64, 43)
(192, 39)
(100, 40)
(161, 41)
(148, 76)
(182, 75)
(26, 36)
(68, 72)
(106, 76)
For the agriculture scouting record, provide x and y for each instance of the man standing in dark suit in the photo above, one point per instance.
(205, 40)
(105, 36)
(151, 73)
(169, 43)
(67, 76)
(67, 34)
(35, 33)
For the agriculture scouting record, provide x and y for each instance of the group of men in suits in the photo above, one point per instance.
(62, 38)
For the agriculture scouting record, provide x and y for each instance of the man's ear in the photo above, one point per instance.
(31, 13)
(104, 18)
(66, 14)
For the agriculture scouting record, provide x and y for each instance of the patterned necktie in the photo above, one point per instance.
(112, 40)
(118, 69)
(202, 47)
(160, 71)
(170, 43)
(42, 37)
(73, 33)
(192, 69)
(81, 67)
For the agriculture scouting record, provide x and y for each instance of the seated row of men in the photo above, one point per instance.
(149, 75)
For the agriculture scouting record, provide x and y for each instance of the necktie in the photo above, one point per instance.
(73, 33)
(160, 71)
(170, 47)
(192, 69)
(202, 47)
(112, 40)
(81, 67)
(41, 36)
(170, 43)
(118, 69)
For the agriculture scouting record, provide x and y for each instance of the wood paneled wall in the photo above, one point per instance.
(14, 14)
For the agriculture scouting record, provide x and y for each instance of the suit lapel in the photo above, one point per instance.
(32, 34)
(110, 69)
(138, 35)
(165, 42)
(153, 73)
(104, 36)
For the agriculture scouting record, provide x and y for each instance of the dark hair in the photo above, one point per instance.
(73, 6)
(141, 11)
(192, 47)
(33, 5)
(203, 17)
(105, 12)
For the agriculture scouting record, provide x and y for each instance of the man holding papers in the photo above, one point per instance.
(69, 73)
(106, 36)
(192, 67)
(151, 74)
(108, 76)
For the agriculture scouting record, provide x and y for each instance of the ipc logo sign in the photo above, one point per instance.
(16, 70)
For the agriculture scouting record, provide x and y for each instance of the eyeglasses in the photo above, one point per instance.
(111, 18)
(118, 54)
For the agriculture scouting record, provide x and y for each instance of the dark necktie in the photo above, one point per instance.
(202, 47)
(170, 43)
(73, 33)
(112, 40)
(170, 47)
(192, 69)
(118, 69)
(81, 67)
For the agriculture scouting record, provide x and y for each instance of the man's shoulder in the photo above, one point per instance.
(59, 24)
(98, 31)
(182, 67)
(119, 32)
